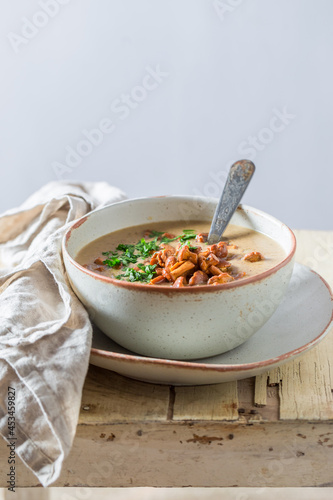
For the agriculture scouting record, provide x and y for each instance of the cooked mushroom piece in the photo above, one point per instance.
(184, 253)
(198, 278)
(166, 235)
(181, 281)
(201, 237)
(158, 256)
(223, 265)
(99, 261)
(220, 249)
(157, 280)
(214, 270)
(181, 268)
(166, 253)
(220, 279)
(253, 256)
(153, 260)
(171, 260)
(206, 261)
(167, 274)
(239, 275)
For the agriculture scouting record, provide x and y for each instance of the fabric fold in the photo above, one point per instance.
(45, 332)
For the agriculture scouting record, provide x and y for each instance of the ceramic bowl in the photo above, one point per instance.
(176, 323)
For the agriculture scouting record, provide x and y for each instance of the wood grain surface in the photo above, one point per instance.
(306, 384)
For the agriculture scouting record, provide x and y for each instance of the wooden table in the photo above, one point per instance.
(272, 430)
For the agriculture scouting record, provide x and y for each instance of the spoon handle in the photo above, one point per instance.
(238, 179)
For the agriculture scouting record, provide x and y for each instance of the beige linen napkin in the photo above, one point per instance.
(45, 332)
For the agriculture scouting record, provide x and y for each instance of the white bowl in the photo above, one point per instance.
(177, 323)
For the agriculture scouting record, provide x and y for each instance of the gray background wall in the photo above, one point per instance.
(178, 89)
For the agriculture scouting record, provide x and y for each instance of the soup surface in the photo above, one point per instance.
(177, 254)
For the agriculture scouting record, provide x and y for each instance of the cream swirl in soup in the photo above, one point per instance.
(177, 254)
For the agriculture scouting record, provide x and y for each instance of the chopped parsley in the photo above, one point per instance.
(112, 262)
(124, 255)
(159, 235)
(146, 273)
(145, 248)
(154, 234)
(188, 234)
(165, 239)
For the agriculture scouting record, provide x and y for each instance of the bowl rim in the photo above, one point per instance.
(188, 289)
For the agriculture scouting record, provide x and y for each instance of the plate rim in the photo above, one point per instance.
(213, 367)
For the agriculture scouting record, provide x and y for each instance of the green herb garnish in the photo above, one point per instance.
(153, 233)
(165, 239)
(127, 256)
(146, 273)
(188, 234)
(145, 248)
(112, 262)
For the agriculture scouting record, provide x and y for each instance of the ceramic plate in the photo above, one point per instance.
(299, 323)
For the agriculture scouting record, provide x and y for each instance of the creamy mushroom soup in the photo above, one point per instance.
(177, 254)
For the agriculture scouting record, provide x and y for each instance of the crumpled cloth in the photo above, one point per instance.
(45, 332)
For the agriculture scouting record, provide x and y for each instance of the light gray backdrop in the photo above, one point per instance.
(160, 96)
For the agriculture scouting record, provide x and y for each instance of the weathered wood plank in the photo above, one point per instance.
(209, 454)
(260, 390)
(208, 402)
(109, 397)
(305, 390)
(249, 410)
(306, 384)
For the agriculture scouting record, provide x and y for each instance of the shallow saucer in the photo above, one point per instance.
(300, 322)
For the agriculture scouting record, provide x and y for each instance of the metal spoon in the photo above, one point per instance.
(238, 179)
